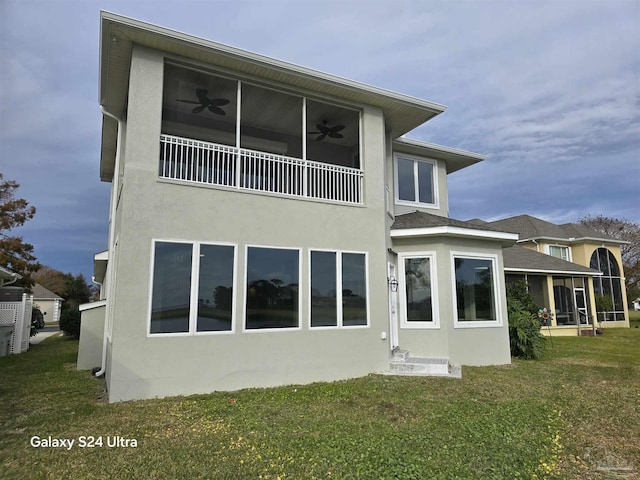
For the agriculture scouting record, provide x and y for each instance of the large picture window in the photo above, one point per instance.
(475, 290)
(419, 296)
(190, 296)
(609, 287)
(338, 289)
(272, 288)
(415, 181)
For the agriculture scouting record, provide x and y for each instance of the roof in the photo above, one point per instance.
(454, 158)
(532, 228)
(517, 258)
(421, 224)
(7, 277)
(118, 34)
(41, 293)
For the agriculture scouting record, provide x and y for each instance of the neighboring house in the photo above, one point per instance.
(573, 271)
(48, 302)
(270, 224)
(636, 304)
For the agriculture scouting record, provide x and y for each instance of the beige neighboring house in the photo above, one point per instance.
(271, 224)
(573, 271)
(48, 302)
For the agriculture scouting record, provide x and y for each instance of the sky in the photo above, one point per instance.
(549, 91)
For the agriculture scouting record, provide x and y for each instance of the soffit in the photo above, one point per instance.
(118, 34)
(454, 159)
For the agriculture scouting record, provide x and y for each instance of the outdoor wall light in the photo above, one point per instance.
(393, 284)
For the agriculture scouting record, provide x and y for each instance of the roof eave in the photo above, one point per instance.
(118, 33)
(455, 159)
(551, 271)
(507, 239)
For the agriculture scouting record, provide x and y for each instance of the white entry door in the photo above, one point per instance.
(393, 306)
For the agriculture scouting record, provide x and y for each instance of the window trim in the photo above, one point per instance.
(193, 292)
(434, 181)
(435, 307)
(339, 312)
(498, 294)
(245, 290)
(569, 258)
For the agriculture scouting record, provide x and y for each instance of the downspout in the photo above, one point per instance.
(115, 187)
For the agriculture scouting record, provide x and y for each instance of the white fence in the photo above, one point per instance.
(209, 163)
(18, 315)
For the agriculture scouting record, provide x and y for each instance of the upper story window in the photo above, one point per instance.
(202, 106)
(560, 251)
(415, 181)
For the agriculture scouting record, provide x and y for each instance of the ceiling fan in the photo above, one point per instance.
(326, 131)
(213, 104)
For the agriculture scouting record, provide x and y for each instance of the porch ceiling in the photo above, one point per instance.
(118, 34)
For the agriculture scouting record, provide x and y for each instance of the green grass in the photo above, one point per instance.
(557, 418)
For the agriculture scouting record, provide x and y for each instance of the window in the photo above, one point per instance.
(272, 293)
(415, 181)
(560, 251)
(609, 287)
(190, 296)
(419, 295)
(475, 290)
(338, 289)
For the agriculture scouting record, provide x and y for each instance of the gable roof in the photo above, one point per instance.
(118, 34)
(41, 293)
(532, 228)
(421, 224)
(521, 259)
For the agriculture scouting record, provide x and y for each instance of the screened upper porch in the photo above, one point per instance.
(225, 132)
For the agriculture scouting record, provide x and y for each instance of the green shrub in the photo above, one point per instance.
(70, 321)
(524, 333)
(524, 325)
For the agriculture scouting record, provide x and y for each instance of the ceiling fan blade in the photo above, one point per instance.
(217, 110)
(198, 109)
(337, 128)
(218, 102)
(320, 137)
(335, 135)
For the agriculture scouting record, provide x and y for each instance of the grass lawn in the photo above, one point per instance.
(574, 414)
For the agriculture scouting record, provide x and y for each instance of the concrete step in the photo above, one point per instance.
(404, 364)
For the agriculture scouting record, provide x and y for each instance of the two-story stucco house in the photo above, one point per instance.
(270, 225)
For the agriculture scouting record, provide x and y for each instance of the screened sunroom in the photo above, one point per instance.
(221, 131)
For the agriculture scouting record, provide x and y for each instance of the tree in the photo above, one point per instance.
(50, 279)
(73, 289)
(15, 254)
(628, 231)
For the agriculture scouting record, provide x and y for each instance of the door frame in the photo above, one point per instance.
(393, 306)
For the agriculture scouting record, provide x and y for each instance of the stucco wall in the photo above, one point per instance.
(463, 346)
(91, 335)
(144, 366)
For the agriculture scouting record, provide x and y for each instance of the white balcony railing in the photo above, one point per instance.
(212, 164)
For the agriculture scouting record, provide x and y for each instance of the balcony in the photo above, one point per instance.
(205, 163)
